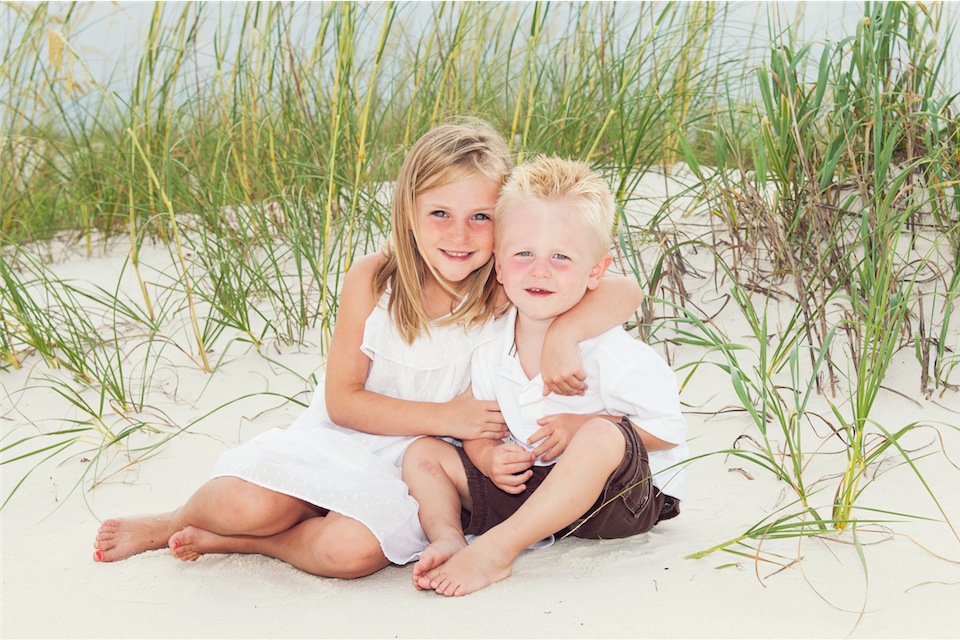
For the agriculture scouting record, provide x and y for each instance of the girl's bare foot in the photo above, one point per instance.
(124, 537)
(479, 565)
(192, 542)
(433, 556)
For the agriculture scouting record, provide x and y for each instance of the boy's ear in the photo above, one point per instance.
(496, 266)
(596, 273)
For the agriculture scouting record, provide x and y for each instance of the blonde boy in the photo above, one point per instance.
(621, 441)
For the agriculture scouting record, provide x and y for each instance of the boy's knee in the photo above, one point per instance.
(604, 435)
(425, 455)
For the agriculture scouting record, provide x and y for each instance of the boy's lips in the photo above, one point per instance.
(536, 291)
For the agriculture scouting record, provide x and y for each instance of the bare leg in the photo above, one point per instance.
(225, 505)
(565, 495)
(333, 546)
(436, 478)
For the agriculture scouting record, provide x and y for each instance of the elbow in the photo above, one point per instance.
(337, 414)
(338, 407)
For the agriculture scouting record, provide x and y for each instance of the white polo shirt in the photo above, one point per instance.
(625, 378)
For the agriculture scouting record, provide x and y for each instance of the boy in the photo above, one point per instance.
(552, 234)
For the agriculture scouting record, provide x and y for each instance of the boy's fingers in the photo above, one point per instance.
(513, 490)
(519, 466)
(541, 451)
(538, 435)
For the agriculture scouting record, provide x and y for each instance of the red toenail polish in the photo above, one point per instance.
(99, 556)
(175, 544)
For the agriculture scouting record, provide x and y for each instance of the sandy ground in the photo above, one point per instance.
(640, 587)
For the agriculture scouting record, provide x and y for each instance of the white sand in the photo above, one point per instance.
(640, 587)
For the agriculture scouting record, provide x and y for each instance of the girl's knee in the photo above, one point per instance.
(252, 506)
(349, 550)
(360, 560)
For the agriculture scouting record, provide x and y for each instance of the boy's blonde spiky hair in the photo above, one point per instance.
(445, 154)
(560, 180)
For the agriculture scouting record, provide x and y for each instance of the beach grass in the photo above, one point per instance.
(826, 174)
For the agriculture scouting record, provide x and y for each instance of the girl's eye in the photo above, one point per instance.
(439, 213)
(481, 216)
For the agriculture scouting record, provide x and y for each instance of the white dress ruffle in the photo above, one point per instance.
(358, 474)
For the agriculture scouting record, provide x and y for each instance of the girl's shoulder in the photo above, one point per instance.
(366, 267)
(357, 297)
(362, 272)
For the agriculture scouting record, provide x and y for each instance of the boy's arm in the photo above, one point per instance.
(558, 429)
(507, 465)
(504, 463)
(642, 387)
(612, 303)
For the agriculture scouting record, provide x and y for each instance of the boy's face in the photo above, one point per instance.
(545, 259)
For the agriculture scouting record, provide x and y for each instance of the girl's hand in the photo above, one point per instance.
(561, 367)
(555, 433)
(472, 419)
(508, 466)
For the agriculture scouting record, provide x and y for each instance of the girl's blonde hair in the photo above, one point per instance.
(443, 155)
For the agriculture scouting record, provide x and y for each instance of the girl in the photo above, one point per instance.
(325, 495)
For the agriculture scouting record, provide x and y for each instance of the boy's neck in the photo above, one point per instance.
(528, 337)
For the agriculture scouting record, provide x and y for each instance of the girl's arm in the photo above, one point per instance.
(349, 404)
(613, 302)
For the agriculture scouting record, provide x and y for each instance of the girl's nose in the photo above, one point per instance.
(461, 231)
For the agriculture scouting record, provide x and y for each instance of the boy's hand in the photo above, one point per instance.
(472, 419)
(508, 466)
(561, 367)
(555, 433)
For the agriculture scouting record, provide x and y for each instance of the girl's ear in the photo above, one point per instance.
(596, 273)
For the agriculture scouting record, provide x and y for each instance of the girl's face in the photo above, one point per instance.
(455, 224)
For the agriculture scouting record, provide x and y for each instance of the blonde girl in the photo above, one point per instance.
(325, 494)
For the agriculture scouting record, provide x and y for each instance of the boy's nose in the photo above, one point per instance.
(539, 269)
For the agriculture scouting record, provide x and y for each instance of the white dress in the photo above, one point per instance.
(358, 474)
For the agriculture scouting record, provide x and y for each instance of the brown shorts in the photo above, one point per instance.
(629, 504)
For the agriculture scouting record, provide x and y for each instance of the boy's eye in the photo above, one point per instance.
(524, 254)
(560, 256)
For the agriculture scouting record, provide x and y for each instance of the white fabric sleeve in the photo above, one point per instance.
(483, 371)
(645, 390)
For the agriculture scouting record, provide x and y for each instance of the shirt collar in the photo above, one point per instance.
(510, 363)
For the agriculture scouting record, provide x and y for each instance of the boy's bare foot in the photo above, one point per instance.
(192, 542)
(477, 566)
(124, 537)
(433, 556)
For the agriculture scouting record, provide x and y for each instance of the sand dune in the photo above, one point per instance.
(641, 587)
